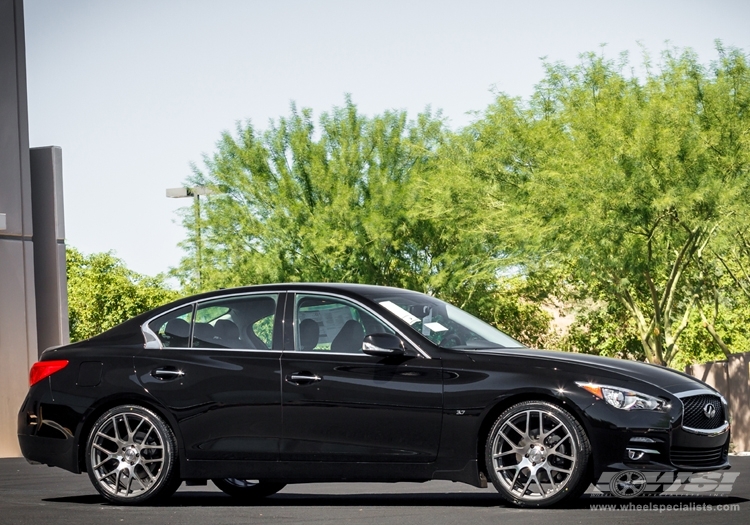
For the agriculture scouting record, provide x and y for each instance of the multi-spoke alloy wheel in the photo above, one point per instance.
(130, 455)
(536, 454)
(248, 488)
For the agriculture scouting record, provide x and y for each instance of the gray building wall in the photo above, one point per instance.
(18, 338)
(48, 216)
(33, 287)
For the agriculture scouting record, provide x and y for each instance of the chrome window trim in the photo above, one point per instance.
(326, 352)
(223, 349)
(379, 317)
(151, 345)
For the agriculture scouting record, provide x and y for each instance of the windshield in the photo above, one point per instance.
(440, 322)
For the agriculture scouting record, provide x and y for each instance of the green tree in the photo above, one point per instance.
(103, 293)
(379, 200)
(293, 206)
(624, 182)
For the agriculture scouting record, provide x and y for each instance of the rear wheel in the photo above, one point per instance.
(131, 456)
(537, 454)
(248, 489)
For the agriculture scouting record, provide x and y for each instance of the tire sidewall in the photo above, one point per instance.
(166, 482)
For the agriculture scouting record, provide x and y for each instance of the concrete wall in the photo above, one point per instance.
(732, 379)
(18, 338)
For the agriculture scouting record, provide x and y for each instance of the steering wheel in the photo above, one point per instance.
(451, 340)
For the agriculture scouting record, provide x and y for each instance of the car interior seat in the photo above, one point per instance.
(349, 339)
(309, 334)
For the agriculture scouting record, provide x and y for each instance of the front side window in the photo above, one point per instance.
(327, 324)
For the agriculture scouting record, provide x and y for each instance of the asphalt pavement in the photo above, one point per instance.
(37, 495)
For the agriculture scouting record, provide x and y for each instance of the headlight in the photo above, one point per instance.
(622, 397)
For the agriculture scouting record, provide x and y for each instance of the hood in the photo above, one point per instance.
(666, 378)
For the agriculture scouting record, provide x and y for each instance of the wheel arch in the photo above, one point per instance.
(127, 399)
(503, 404)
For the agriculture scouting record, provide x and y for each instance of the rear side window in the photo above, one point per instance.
(237, 322)
(173, 328)
(242, 322)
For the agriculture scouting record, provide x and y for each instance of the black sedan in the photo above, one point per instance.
(258, 387)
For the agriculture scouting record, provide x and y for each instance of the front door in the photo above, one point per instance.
(340, 404)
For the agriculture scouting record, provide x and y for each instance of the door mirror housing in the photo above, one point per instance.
(383, 345)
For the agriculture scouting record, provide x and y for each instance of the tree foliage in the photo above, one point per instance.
(102, 293)
(622, 195)
(625, 182)
(366, 200)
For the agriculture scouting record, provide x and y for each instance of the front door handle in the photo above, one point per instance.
(167, 374)
(303, 378)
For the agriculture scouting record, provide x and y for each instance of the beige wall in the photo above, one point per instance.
(732, 379)
(18, 346)
(18, 342)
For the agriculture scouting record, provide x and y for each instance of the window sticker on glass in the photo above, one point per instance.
(403, 314)
(436, 327)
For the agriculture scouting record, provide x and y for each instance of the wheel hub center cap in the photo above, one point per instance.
(130, 455)
(536, 454)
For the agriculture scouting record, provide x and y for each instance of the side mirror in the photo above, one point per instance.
(383, 345)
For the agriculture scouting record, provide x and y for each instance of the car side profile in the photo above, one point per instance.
(263, 386)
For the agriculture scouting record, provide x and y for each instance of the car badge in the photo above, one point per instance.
(709, 410)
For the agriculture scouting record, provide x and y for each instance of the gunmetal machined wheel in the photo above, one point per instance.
(131, 456)
(537, 454)
(248, 488)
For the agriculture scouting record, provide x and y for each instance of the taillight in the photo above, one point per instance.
(44, 369)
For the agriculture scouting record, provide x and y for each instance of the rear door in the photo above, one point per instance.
(219, 374)
(340, 404)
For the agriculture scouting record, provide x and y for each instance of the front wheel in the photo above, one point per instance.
(537, 454)
(248, 489)
(131, 456)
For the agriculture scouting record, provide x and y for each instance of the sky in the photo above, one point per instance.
(136, 91)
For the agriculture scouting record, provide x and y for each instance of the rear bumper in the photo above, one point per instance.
(46, 433)
(50, 451)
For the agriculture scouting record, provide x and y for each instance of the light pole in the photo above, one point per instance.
(195, 192)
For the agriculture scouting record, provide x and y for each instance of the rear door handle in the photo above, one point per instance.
(303, 378)
(167, 373)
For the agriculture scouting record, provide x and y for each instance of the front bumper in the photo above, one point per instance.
(657, 444)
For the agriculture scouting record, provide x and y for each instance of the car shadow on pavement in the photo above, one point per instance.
(216, 499)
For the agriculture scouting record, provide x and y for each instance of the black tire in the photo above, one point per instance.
(533, 468)
(131, 456)
(248, 489)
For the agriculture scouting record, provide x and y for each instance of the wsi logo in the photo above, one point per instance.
(633, 483)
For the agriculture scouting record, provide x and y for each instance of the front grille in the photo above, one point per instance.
(694, 415)
(698, 457)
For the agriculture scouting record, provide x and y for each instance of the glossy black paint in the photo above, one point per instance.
(365, 409)
(263, 414)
